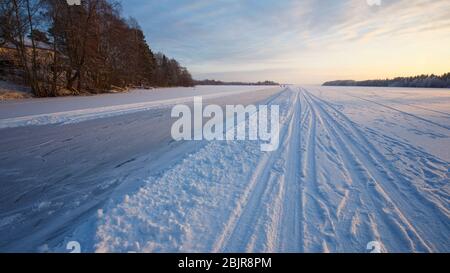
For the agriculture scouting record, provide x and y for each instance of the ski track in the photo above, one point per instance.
(328, 188)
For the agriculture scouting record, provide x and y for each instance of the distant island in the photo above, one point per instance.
(424, 81)
(214, 82)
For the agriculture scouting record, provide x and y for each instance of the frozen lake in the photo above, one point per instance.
(354, 165)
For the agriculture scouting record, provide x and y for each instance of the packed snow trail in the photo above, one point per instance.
(332, 186)
(55, 176)
(370, 177)
(354, 166)
(108, 105)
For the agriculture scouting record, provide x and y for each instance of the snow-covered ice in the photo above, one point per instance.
(73, 110)
(354, 165)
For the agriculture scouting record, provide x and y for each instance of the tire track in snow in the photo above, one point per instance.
(403, 112)
(344, 216)
(424, 108)
(426, 211)
(379, 192)
(290, 228)
(363, 174)
(277, 228)
(185, 207)
(250, 225)
(317, 223)
(354, 168)
(429, 173)
(441, 210)
(326, 189)
(363, 225)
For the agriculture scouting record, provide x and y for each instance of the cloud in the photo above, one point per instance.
(261, 35)
(373, 2)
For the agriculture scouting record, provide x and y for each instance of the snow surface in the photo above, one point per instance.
(44, 111)
(354, 165)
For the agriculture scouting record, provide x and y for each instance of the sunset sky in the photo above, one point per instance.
(303, 41)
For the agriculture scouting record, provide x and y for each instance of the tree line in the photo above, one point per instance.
(425, 81)
(87, 48)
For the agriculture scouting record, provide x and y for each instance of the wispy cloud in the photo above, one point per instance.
(293, 40)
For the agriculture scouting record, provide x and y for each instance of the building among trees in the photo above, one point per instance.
(57, 49)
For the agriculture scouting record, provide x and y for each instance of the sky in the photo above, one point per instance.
(298, 41)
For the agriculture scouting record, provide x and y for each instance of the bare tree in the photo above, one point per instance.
(93, 48)
(17, 22)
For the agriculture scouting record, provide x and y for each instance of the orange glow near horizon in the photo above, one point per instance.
(348, 40)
